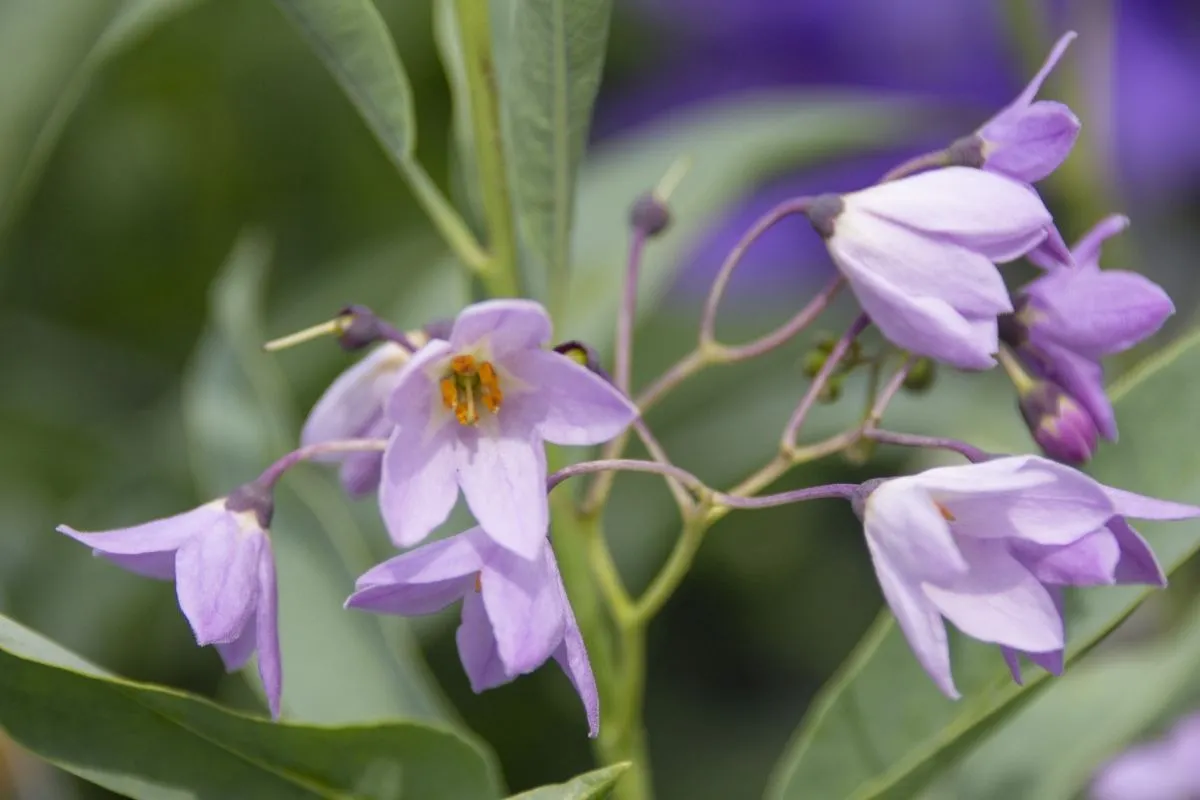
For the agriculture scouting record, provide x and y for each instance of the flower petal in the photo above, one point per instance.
(999, 601)
(266, 623)
(507, 325)
(423, 580)
(572, 656)
(477, 647)
(1098, 313)
(1137, 563)
(216, 579)
(903, 523)
(1081, 377)
(235, 654)
(579, 407)
(159, 536)
(502, 472)
(523, 604)
(1035, 85)
(1140, 506)
(160, 566)
(1087, 250)
(353, 403)
(1089, 561)
(1029, 144)
(418, 487)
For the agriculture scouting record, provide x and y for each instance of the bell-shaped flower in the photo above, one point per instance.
(1069, 319)
(219, 556)
(1030, 138)
(474, 411)
(920, 255)
(515, 613)
(353, 408)
(975, 544)
(1165, 769)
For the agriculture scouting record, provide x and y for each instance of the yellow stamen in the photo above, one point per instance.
(945, 512)
(449, 393)
(470, 382)
(463, 365)
(334, 327)
(490, 387)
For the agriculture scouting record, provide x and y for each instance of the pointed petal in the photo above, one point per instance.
(1087, 249)
(1139, 506)
(1035, 85)
(1090, 561)
(919, 620)
(354, 402)
(999, 601)
(1012, 658)
(903, 523)
(503, 476)
(1098, 313)
(1029, 144)
(988, 214)
(160, 536)
(270, 663)
(216, 579)
(572, 656)
(578, 406)
(160, 566)
(1052, 252)
(477, 647)
(1137, 563)
(523, 604)
(415, 396)
(418, 487)
(235, 654)
(423, 580)
(1051, 661)
(507, 325)
(361, 473)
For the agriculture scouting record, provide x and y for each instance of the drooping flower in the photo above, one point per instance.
(1069, 319)
(920, 254)
(1166, 769)
(978, 544)
(515, 613)
(473, 412)
(219, 556)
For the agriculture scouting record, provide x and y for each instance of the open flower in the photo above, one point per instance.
(515, 613)
(978, 544)
(474, 411)
(920, 254)
(1071, 318)
(219, 556)
(1166, 769)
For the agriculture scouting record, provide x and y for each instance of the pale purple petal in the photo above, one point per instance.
(266, 622)
(572, 656)
(361, 473)
(216, 580)
(988, 214)
(1081, 377)
(1167, 769)
(160, 566)
(1089, 561)
(1052, 253)
(418, 487)
(579, 407)
(1030, 144)
(908, 529)
(999, 601)
(423, 580)
(1087, 249)
(159, 536)
(477, 647)
(1012, 659)
(1052, 661)
(506, 325)
(1098, 313)
(353, 403)
(1035, 85)
(235, 654)
(415, 393)
(919, 620)
(522, 601)
(1139, 506)
(502, 472)
(1137, 563)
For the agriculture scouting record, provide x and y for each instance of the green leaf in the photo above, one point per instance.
(145, 741)
(590, 786)
(734, 145)
(339, 665)
(553, 55)
(881, 729)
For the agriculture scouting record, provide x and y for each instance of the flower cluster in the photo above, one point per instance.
(468, 406)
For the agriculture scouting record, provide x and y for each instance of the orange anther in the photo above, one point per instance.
(489, 385)
(449, 393)
(463, 365)
(478, 582)
(945, 512)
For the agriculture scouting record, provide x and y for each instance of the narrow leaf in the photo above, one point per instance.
(590, 786)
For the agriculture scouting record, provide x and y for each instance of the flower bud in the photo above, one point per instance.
(921, 377)
(362, 328)
(583, 355)
(1060, 425)
(650, 215)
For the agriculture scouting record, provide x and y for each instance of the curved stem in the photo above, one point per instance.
(271, 475)
(967, 451)
(682, 498)
(788, 441)
(784, 333)
(937, 158)
(627, 311)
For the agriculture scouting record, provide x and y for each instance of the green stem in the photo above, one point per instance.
(483, 92)
(624, 737)
(445, 218)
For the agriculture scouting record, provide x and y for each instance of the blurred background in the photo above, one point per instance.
(182, 183)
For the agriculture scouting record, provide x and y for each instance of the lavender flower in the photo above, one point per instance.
(920, 253)
(1069, 319)
(219, 556)
(1060, 426)
(352, 408)
(978, 544)
(1167, 769)
(515, 613)
(474, 411)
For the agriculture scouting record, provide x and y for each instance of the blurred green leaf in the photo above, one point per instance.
(590, 786)
(734, 145)
(1099, 707)
(881, 729)
(340, 666)
(146, 741)
(553, 58)
(448, 38)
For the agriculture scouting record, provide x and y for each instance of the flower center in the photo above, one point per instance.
(468, 385)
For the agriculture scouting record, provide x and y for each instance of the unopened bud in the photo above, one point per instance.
(920, 376)
(438, 329)
(361, 328)
(1059, 424)
(583, 355)
(831, 392)
(823, 212)
(650, 215)
(253, 497)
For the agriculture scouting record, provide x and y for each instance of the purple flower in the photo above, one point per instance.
(352, 408)
(515, 613)
(1061, 427)
(978, 544)
(1030, 138)
(1069, 319)
(474, 411)
(1167, 769)
(219, 556)
(920, 253)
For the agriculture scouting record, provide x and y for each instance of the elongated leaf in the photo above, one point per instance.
(353, 41)
(590, 786)
(339, 666)
(553, 58)
(882, 730)
(145, 741)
